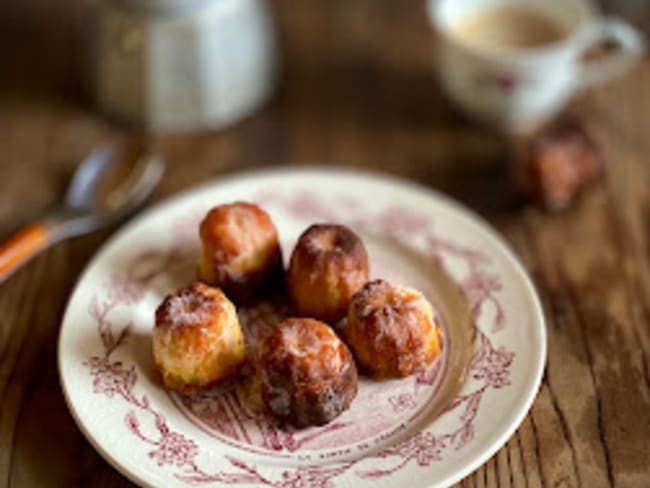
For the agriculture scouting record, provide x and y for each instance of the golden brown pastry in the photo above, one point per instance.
(559, 164)
(328, 265)
(308, 376)
(240, 250)
(197, 339)
(392, 330)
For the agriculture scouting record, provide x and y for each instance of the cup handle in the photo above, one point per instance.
(631, 47)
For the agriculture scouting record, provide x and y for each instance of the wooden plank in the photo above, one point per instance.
(358, 90)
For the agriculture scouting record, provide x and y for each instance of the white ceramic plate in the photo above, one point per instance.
(390, 436)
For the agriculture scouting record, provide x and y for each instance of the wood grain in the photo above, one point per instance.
(358, 90)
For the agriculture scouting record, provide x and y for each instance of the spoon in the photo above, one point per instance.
(110, 184)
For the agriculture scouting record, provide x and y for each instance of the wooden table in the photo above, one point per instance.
(358, 91)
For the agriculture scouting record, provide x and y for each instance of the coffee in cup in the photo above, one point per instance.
(514, 64)
(508, 27)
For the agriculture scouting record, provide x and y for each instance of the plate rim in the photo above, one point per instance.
(537, 312)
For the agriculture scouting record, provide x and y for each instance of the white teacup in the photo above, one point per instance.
(519, 81)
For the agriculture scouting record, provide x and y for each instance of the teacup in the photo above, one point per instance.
(514, 64)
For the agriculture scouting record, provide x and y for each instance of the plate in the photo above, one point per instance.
(429, 430)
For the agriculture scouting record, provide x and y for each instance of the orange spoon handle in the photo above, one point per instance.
(21, 248)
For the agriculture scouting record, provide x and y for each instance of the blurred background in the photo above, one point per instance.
(356, 87)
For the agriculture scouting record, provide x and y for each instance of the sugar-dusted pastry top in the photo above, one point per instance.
(308, 376)
(197, 339)
(392, 330)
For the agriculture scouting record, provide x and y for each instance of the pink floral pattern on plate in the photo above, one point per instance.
(490, 369)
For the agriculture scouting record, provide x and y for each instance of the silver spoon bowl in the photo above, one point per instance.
(110, 184)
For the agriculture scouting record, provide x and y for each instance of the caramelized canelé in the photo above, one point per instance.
(392, 330)
(327, 266)
(308, 376)
(240, 251)
(197, 339)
